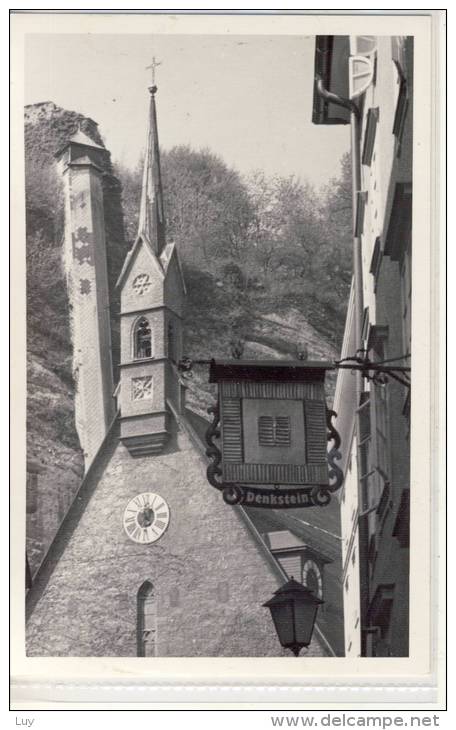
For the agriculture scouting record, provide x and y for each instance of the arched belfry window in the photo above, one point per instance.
(142, 339)
(146, 628)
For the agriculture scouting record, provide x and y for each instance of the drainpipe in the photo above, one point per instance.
(355, 124)
(355, 135)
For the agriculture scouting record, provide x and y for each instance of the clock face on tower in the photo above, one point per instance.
(312, 578)
(146, 518)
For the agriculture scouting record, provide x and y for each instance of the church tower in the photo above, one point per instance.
(152, 293)
(81, 162)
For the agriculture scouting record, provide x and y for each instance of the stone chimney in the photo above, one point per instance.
(81, 162)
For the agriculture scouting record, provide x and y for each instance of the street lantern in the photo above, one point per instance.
(294, 610)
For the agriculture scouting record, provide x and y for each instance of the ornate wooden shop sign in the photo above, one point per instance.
(268, 441)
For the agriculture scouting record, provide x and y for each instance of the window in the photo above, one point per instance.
(384, 505)
(401, 529)
(146, 620)
(399, 59)
(406, 298)
(274, 431)
(372, 549)
(361, 203)
(376, 261)
(380, 398)
(369, 135)
(379, 615)
(381, 430)
(142, 339)
(365, 468)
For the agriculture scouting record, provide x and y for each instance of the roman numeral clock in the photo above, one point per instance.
(146, 518)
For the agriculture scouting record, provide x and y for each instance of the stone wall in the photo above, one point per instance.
(209, 574)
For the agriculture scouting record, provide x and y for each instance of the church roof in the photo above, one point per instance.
(283, 540)
(81, 138)
(151, 213)
(166, 256)
(151, 225)
(131, 255)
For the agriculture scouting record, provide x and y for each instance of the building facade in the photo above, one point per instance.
(367, 81)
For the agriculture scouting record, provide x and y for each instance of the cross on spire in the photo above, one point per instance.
(153, 66)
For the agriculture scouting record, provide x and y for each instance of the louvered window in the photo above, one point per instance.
(274, 431)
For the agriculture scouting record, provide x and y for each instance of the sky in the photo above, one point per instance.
(247, 98)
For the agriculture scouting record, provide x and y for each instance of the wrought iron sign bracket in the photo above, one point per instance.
(378, 372)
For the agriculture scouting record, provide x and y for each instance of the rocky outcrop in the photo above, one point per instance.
(52, 442)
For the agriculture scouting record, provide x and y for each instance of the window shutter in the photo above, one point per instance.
(364, 423)
(274, 431)
(282, 431)
(315, 419)
(398, 53)
(232, 433)
(266, 430)
(369, 136)
(292, 566)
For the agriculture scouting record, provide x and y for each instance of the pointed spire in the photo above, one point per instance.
(151, 213)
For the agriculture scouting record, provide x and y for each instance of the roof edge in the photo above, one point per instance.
(61, 537)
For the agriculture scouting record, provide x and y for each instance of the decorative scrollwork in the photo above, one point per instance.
(213, 452)
(332, 433)
(233, 494)
(320, 496)
(335, 474)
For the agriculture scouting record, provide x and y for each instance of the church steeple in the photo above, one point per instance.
(151, 214)
(152, 301)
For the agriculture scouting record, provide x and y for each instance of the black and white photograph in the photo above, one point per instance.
(220, 319)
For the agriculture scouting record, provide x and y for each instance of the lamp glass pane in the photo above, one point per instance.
(305, 614)
(282, 615)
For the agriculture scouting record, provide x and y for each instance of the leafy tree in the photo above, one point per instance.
(208, 207)
(44, 200)
(266, 243)
(336, 254)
